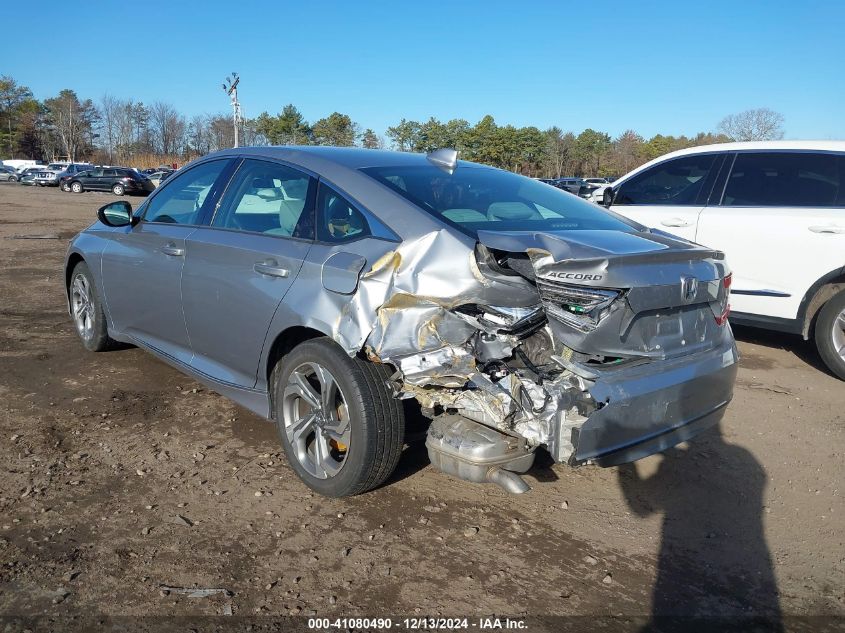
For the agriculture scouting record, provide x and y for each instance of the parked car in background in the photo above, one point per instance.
(8, 174)
(777, 209)
(572, 185)
(51, 175)
(327, 288)
(19, 164)
(118, 180)
(157, 177)
(27, 175)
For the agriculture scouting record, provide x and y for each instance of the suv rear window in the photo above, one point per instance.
(786, 179)
(475, 198)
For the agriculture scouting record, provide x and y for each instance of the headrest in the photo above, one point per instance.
(512, 211)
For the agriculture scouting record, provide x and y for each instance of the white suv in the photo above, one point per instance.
(777, 209)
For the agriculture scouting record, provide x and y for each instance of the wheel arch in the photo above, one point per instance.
(818, 294)
(282, 344)
(73, 259)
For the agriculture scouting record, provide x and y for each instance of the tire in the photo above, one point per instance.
(87, 311)
(830, 334)
(76, 187)
(118, 190)
(361, 432)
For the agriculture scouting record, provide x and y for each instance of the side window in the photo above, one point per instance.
(337, 220)
(181, 200)
(108, 173)
(675, 182)
(268, 198)
(96, 173)
(784, 179)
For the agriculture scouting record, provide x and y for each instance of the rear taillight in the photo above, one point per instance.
(725, 302)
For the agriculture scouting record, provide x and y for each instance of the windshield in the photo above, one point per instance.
(478, 198)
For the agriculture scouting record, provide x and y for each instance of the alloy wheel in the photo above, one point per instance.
(838, 334)
(82, 305)
(316, 419)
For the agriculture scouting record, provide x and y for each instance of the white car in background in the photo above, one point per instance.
(777, 210)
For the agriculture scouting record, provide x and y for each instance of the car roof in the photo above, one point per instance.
(825, 146)
(348, 157)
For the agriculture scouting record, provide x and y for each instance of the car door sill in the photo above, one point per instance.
(255, 400)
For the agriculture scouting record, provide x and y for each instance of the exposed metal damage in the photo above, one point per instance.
(507, 349)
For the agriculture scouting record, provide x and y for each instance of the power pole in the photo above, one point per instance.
(231, 89)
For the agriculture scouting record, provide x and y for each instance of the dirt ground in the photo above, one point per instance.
(120, 477)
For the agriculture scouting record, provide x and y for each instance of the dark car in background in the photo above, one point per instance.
(27, 176)
(118, 180)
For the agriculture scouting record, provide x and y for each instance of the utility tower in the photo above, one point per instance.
(231, 89)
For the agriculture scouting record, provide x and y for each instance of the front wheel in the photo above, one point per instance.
(118, 190)
(87, 310)
(341, 429)
(830, 334)
(76, 187)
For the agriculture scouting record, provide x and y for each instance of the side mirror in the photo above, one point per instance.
(117, 213)
(607, 197)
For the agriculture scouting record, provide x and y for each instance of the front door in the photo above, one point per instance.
(670, 195)
(142, 265)
(238, 269)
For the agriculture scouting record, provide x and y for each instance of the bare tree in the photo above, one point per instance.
(110, 117)
(760, 124)
(73, 122)
(168, 128)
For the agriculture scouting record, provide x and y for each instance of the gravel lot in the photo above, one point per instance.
(120, 477)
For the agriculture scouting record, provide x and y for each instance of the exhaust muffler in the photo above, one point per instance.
(473, 452)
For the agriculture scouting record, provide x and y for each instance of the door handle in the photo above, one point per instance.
(270, 268)
(675, 222)
(172, 250)
(830, 228)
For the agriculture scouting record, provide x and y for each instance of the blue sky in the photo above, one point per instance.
(669, 67)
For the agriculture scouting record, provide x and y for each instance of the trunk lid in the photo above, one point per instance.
(613, 295)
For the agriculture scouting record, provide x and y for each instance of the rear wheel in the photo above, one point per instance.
(830, 334)
(341, 429)
(87, 310)
(118, 190)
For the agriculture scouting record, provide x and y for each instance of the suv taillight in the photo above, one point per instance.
(726, 306)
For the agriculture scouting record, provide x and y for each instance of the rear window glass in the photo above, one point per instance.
(783, 179)
(478, 198)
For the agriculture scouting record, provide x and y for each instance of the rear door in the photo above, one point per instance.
(241, 264)
(90, 179)
(781, 223)
(670, 195)
(142, 265)
(108, 178)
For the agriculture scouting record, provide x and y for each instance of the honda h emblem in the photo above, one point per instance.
(689, 288)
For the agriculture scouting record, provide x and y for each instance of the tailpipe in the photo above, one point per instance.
(508, 480)
(473, 452)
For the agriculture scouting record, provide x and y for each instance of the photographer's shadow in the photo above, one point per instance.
(713, 558)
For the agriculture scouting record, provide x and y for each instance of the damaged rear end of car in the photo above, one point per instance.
(597, 345)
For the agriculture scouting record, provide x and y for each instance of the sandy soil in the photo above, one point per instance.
(119, 476)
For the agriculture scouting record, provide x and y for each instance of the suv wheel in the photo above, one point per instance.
(830, 334)
(118, 190)
(341, 429)
(87, 311)
(76, 187)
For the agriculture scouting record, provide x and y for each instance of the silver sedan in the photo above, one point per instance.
(343, 293)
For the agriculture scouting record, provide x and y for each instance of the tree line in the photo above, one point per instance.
(129, 132)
